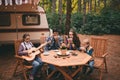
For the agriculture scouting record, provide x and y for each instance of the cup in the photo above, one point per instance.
(55, 56)
(70, 40)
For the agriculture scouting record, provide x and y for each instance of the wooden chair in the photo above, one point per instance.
(20, 60)
(100, 46)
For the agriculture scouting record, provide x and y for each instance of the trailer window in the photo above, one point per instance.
(5, 20)
(31, 19)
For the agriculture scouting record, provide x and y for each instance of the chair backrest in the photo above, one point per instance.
(99, 45)
(16, 45)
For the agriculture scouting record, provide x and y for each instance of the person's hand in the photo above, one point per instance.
(33, 49)
(25, 51)
(70, 40)
(49, 42)
(63, 45)
(83, 48)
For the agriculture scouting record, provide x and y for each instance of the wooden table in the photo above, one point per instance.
(61, 62)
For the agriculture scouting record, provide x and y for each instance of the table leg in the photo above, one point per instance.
(50, 75)
(78, 70)
(67, 77)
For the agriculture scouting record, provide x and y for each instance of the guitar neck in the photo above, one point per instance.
(42, 45)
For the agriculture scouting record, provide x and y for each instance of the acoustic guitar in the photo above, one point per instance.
(33, 52)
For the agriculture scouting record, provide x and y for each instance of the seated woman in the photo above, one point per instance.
(89, 50)
(25, 50)
(73, 41)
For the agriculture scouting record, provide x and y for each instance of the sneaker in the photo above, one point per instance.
(31, 77)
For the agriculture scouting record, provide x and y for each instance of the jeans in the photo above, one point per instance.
(88, 69)
(52, 67)
(37, 64)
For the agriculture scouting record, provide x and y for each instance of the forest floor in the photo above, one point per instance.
(7, 61)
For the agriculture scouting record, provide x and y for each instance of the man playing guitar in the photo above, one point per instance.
(33, 52)
(29, 53)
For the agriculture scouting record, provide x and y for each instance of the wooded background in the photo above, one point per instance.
(85, 16)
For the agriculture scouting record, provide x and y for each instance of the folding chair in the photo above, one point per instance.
(100, 47)
(20, 60)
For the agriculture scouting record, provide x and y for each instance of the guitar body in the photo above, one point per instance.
(31, 56)
(33, 52)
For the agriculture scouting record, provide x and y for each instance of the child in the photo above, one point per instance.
(89, 50)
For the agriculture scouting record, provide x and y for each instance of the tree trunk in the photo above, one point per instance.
(53, 6)
(95, 6)
(98, 3)
(90, 5)
(64, 6)
(68, 16)
(84, 12)
(60, 7)
(42, 4)
(60, 12)
(104, 3)
(49, 6)
(79, 6)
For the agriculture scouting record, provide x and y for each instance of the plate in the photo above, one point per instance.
(68, 52)
(56, 50)
(45, 53)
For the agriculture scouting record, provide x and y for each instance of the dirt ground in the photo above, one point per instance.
(7, 60)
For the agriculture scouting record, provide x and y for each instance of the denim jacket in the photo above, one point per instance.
(89, 50)
(53, 45)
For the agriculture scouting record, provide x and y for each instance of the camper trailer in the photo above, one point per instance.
(22, 16)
